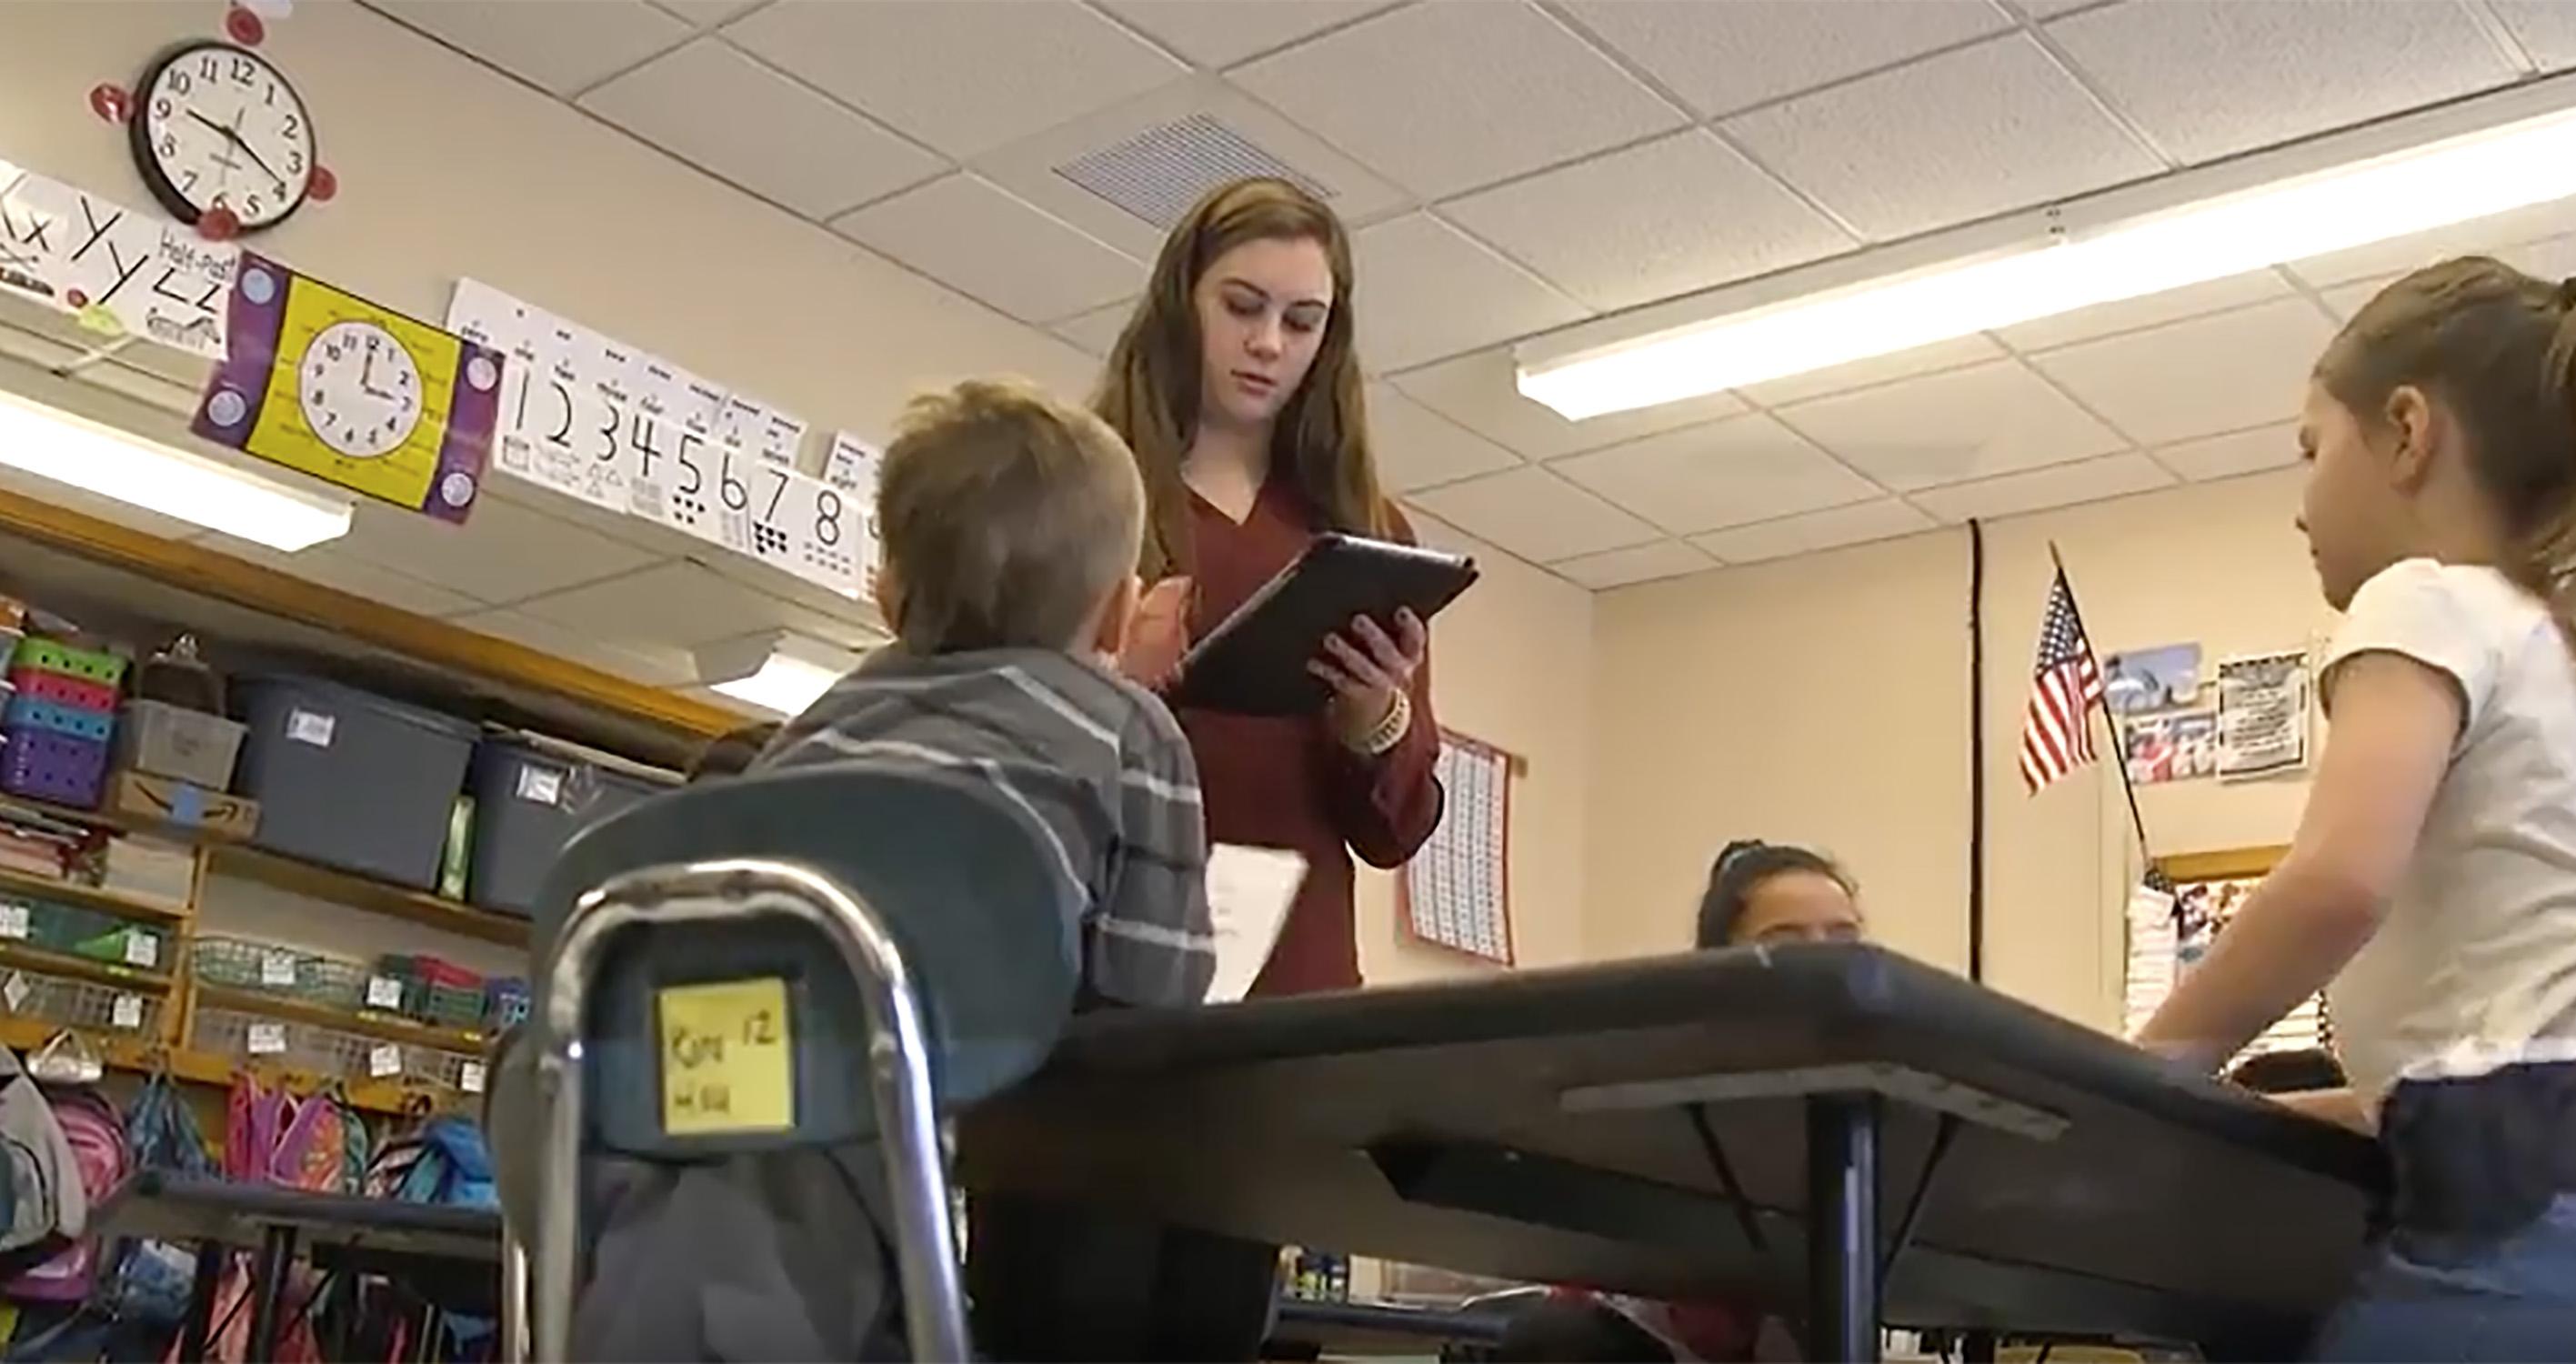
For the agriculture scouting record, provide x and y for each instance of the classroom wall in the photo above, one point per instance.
(450, 170)
(1824, 700)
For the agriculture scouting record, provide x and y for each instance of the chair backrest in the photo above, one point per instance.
(957, 874)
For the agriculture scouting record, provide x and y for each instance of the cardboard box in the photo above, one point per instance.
(165, 800)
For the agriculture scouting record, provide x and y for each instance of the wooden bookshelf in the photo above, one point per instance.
(115, 975)
(366, 893)
(136, 1057)
(144, 907)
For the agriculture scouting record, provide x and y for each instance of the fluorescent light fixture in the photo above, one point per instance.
(774, 670)
(2061, 268)
(100, 459)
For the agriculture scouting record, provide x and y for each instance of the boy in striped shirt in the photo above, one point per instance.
(1010, 524)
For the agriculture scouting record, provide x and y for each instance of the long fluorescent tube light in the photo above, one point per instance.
(2512, 166)
(777, 671)
(100, 459)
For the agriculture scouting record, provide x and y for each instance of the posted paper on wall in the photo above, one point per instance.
(1249, 891)
(1456, 888)
(116, 269)
(2262, 715)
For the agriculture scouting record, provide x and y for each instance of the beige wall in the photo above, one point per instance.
(1823, 700)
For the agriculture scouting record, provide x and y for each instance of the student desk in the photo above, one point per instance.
(452, 1253)
(1827, 1124)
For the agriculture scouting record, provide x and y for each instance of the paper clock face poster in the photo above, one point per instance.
(358, 395)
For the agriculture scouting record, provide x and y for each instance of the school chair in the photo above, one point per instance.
(790, 960)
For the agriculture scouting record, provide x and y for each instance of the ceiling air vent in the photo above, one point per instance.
(1157, 174)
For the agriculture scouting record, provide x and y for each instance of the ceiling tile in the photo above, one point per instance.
(1853, 525)
(705, 13)
(2497, 235)
(2050, 9)
(970, 235)
(1967, 424)
(2151, 310)
(1730, 473)
(2546, 29)
(1656, 242)
(652, 665)
(334, 567)
(1726, 57)
(564, 48)
(2237, 452)
(1170, 145)
(2210, 78)
(672, 605)
(2198, 378)
(962, 78)
(1477, 391)
(1097, 331)
(1452, 94)
(719, 110)
(1219, 35)
(1534, 514)
(1433, 292)
(1640, 564)
(1417, 448)
(1956, 353)
(2062, 486)
(505, 553)
(2013, 129)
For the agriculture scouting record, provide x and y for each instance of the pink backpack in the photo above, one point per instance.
(98, 1142)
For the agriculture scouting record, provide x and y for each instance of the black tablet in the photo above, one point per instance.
(1255, 662)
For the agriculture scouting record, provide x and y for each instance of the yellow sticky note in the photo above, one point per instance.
(727, 1058)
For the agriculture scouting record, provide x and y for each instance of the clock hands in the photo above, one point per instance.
(233, 136)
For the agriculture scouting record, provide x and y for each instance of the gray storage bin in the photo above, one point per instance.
(173, 741)
(530, 798)
(349, 779)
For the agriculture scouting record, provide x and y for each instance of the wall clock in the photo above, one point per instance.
(318, 379)
(219, 127)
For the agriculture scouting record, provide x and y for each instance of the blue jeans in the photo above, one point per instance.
(2426, 1296)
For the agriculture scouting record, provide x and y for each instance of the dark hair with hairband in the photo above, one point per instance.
(1740, 869)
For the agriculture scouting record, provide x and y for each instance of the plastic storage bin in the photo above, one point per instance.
(78, 693)
(349, 779)
(44, 764)
(171, 741)
(26, 712)
(529, 800)
(54, 656)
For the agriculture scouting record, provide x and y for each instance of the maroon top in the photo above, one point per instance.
(1287, 782)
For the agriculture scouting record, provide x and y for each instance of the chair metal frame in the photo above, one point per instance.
(899, 1082)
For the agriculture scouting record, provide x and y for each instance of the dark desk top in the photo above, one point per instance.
(2154, 1203)
(1366, 1326)
(163, 1207)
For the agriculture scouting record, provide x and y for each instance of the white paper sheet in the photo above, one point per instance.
(1249, 890)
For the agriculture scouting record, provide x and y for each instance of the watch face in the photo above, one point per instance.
(220, 128)
(360, 389)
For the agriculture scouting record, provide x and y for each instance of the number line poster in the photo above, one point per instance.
(598, 420)
(1456, 892)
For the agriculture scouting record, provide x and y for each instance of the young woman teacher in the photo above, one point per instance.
(1237, 384)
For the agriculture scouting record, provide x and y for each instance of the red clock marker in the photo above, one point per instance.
(219, 225)
(111, 103)
(244, 27)
(323, 187)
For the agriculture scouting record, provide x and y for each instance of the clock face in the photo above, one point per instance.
(360, 389)
(219, 127)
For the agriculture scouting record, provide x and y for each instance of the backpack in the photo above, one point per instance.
(151, 1281)
(97, 1139)
(445, 1162)
(45, 1204)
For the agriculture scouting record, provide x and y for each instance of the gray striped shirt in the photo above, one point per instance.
(1098, 762)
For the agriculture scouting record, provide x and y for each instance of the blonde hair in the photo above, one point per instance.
(1007, 518)
(2498, 347)
(1150, 390)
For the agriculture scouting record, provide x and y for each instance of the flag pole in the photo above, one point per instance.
(2119, 760)
(1976, 750)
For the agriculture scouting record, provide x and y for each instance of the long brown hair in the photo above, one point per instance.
(1150, 391)
(2498, 347)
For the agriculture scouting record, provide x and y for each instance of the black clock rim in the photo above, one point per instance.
(138, 134)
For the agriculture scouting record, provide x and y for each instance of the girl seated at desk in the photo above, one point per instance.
(1765, 894)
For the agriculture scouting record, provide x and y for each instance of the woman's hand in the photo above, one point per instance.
(1368, 671)
(1158, 633)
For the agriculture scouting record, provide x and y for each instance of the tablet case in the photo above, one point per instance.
(1255, 662)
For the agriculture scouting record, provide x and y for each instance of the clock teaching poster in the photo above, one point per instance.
(322, 381)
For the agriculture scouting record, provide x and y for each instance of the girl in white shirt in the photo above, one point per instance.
(2432, 885)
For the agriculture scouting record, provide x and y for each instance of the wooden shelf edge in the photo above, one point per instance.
(29, 957)
(376, 897)
(367, 1023)
(2221, 864)
(13, 881)
(135, 1057)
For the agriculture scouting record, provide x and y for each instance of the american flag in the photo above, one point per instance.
(2057, 736)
